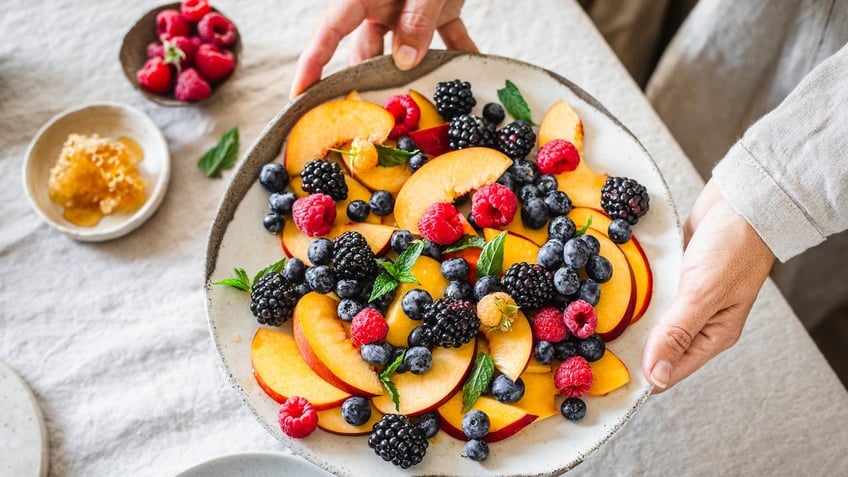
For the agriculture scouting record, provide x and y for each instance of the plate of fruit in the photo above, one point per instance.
(443, 271)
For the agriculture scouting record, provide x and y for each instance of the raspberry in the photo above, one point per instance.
(548, 325)
(216, 28)
(155, 76)
(194, 10)
(314, 214)
(406, 113)
(297, 417)
(497, 311)
(493, 205)
(557, 156)
(573, 377)
(191, 86)
(171, 23)
(580, 318)
(155, 49)
(214, 63)
(441, 223)
(368, 326)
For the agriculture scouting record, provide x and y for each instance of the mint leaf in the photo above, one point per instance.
(491, 258)
(273, 268)
(390, 267)
(222, 156)
(467, 241)
(409, 256)
(585, 227)
(406, 277)
(398, 272)
(390, 156)
(382, 285)
(481, 375)
(241, 281)
(514, 102)
(386, 379)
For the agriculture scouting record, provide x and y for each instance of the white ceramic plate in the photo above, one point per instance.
(238, 239)
(25, 450)
(111, 120)
(255, 464)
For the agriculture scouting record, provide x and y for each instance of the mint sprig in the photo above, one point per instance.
(398, 272)
(467, 241)
(386, 379)
(514, 102)
(388, 156)
(583, 230)
(242, 282)
(481, 376)
(491, 258)
(222, 156)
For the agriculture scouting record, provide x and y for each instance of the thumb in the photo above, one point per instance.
(415, 28)
(669, 340)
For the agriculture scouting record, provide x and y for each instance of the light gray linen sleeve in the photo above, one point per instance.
(788, 175)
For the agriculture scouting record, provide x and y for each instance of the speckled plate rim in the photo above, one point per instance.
(129, 222)
(268, 146)
(256, 464)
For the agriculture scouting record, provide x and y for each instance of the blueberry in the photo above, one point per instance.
(599, 269)
(273, 222)
(321, 278)
(562, 228)
(558, 203)
(383, 301)
(565, 349)
(493, 113)
(524, 171)
(301, 289)
(378, 354)
(575, 253)
(459, 290)
(293, 270)
(550, 255)
(428, 423)
(566, 281)
(418, 359)
(463, 199)
(507, 179)
(592, 348)
(401, 240)
(405, 143)
(399, 351)
(534, 213)
(477, 450)
(543, 351)
(417, 160)
(528, 191)
(546, 183)
(274, 177)
(348, 288)
(455, 268)
(590, 291)
(475, 424)
(320, 251)
(573, 409)
(485, 286)
(418, 337)
(471, 221)
(382, 203)
(281, 203)
(358, 210)
(356, 410)
(592, 243)
(415, 302)
(619, 231)
(506, 390)
(432, 250)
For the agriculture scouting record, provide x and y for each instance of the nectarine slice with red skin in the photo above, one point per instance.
(608, 374)
(432, 141)
(444, 178)
(425, 392)
(296, 243)
(516, 227)
(540, 395)
(331, 124)
(355, 191)
(324, 345)
(516, 249)
(618, 295)
(511, 349)
(505, 420)
(281, 371)
(331, 420)
(427, 271)
(429, 114)
(380, 177)
(471, 255)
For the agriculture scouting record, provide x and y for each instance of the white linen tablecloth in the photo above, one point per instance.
(113, 338)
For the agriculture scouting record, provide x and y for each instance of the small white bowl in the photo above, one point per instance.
(110, 120)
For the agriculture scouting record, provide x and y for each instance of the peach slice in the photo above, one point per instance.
(429, 114)
(537, 236)
(535, 367)
(427, 271)
(618, 295)
(296, 243)
(539, 395)
(511, 350)
(355, 191)
(636, 257)
(353, 95)
(505, 420)
(281, 372)
(608, 374)
(561, 122)
(323, 342)
(331, 420)
(444, 178)
(422, 393)
(331, 124)
(516, 249)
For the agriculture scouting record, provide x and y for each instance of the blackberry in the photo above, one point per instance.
(459, 290)
(485, 286)
(378, 354)
(524, 171)
(534, 213)
(415, 302)
(590, 291)
(619, 231)
(506, 390)
(272, 299)
(417, 160)
(493, 113)
(428, 423)
(558, 203)
(320, 251)
(353, 258)
(348, 308)
(546, 183)
(562, 228)
(543, 351)
(566, 281)
(321, 279)
(592, 348)
(450, 323)
(273, 222)
(356, 410)
(467, 130)
(550, 254)
(453, 98)
(358, 210)
(477, 450)
(325, 177)
(516, 139)
(274, 177)
(475, 424)
(397, 440)
(382, 203)
(418, 359)
(294, 269)
(454, 268)
(281, 203)
(573, 409)
(624, 198)
(401, 240)
(599, 269)
(529, 284)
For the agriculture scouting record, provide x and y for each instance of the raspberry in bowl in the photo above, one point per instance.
(181, 53)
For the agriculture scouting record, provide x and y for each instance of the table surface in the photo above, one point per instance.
(113, 338)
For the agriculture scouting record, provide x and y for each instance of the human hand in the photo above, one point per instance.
(724, 266)
(412, 23)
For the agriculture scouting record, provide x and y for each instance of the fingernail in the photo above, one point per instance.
(405, 57)
(661, 374)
